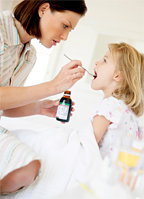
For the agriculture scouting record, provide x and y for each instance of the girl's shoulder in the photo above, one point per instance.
(112, 109)
(113, 103)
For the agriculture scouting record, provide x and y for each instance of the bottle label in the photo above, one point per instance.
(62, 111)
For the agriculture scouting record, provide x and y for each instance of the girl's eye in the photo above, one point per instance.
(104, 60)
(65, 26)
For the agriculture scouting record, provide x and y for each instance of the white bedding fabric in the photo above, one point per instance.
(65, 161)
(68, 156)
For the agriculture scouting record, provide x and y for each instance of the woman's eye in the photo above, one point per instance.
(65, 26)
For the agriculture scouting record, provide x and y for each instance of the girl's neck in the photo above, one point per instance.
(24, 36)
(106, 95)
(109, 90)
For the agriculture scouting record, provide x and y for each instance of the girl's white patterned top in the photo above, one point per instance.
(123, 123)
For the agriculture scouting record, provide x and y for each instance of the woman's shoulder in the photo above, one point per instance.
(5, 13)
(5, 18)
(8, 32)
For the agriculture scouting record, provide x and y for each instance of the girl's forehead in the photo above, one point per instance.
(111, 56)
(113, 53)
(108, 54)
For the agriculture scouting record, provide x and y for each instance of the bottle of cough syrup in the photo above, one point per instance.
(64, 108)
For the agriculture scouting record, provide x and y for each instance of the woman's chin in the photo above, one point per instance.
(47, 45)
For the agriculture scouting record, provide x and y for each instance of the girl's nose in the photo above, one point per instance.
(96, 64)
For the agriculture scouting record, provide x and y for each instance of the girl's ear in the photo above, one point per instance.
(44, 7)
(118, 77)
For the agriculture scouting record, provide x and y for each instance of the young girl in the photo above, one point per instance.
(120, 77)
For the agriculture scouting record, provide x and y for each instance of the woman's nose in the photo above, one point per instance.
(64, 36)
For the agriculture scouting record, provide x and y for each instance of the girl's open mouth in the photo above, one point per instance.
(95, 76)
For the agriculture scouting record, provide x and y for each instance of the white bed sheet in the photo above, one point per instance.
(65, 164)
(68, 156)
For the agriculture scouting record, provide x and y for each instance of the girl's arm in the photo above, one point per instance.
(100, 125)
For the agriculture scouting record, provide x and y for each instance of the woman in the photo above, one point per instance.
(50, 21)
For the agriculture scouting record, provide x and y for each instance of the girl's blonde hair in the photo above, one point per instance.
(131, 64)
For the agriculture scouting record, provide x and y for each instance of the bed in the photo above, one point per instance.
(70, 174)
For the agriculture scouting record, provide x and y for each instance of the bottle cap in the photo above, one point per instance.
(67, 92)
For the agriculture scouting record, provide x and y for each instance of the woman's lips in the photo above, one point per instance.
(55, 42)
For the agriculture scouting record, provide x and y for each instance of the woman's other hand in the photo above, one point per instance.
(49, 107)
(68, 76)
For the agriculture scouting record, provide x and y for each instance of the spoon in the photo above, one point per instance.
(81, 66)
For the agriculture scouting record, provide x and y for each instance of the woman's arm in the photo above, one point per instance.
(13, 97)
(45, 107)
(27, 110)
(100, 125)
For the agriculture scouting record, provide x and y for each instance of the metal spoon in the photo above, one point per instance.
(81, 66)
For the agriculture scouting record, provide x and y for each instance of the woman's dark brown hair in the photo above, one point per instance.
(26, 12)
